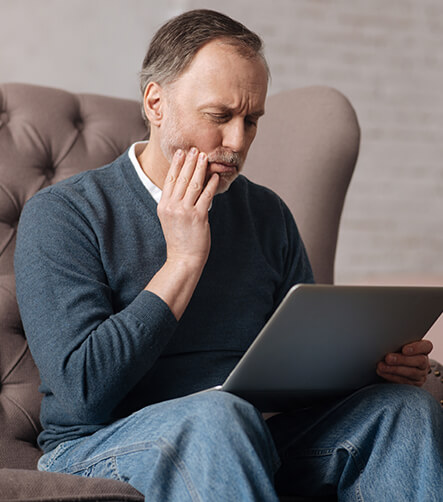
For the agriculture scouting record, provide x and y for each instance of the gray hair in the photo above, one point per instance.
(175, 44)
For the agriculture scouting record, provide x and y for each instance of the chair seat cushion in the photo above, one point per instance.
(28, 485)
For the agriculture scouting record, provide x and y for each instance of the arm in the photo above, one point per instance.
(89, 355)
(183, 213)
(410, 366)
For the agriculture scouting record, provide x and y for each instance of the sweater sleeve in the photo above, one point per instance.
(88, 355)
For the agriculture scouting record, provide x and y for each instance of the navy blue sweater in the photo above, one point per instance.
(87, 247)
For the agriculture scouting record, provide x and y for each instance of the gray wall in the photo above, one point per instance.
(385, 56)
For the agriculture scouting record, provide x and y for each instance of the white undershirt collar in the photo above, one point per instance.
(150, 187)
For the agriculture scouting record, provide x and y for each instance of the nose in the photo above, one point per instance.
(234, 135)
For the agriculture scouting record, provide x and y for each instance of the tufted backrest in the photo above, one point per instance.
(45, 135)
(306, 150)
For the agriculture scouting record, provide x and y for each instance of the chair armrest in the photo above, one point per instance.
(434, 382)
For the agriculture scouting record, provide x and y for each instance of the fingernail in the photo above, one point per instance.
(409, 350)
(193, 150)
(202, 156)
(392, 359)
(179, 152)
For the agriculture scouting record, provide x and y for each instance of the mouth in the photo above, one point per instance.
(222, 168)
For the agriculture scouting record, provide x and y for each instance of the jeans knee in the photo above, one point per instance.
(409, 396)
(223, 417)
(408, 404)
(224, 422)
(223, 407)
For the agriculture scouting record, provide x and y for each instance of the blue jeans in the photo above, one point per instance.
(382, 443)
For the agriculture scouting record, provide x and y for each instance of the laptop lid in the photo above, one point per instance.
(325, 341)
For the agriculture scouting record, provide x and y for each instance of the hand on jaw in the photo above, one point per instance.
(410, 366)
(183, 209)
(183, 214)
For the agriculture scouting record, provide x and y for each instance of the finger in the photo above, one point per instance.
(174, 170)
(185, 174)
(400, 379)
(205, 200)
(420, 347)
(197, 182)
(406, 372)
(419, 361)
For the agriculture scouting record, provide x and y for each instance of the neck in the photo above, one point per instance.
(154, 163)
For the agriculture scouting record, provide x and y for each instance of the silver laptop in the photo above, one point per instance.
(325, 341)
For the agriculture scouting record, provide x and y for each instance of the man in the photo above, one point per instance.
(159, 270)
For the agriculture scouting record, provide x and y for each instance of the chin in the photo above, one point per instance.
(225, 183)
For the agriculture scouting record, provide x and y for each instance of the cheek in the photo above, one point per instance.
(207, 137)
(250, 138)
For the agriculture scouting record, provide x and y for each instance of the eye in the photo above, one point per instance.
(251, 122)
(220, 117)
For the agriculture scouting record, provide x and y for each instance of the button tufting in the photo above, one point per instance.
(49, 171)
(4, 118)
(79, 125)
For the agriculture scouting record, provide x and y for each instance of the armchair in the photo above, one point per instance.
(310, 136)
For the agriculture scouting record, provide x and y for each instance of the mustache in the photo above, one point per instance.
(226, 157)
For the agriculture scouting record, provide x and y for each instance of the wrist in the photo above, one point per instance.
(185, 264)
(176, 281)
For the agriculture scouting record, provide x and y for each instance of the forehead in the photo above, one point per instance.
(219, 72)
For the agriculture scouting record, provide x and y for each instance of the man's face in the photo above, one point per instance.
(215, 106)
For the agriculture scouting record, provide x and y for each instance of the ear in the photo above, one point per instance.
(152, 102)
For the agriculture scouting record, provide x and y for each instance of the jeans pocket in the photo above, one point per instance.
(101, 467)
(47, 460)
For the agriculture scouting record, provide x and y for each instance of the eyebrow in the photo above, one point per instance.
(225, 108)
(257, 114)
